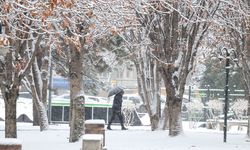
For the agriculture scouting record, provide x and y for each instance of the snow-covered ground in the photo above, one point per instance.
(136, 138)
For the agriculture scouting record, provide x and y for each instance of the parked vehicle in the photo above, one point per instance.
(88, 98)
(137, 101)
(139, 105)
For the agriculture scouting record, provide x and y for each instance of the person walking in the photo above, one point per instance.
(116, 111)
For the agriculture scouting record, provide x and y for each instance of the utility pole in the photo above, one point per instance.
(226, 106)
(226, 96)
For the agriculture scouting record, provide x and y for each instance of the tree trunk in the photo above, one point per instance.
(35, 80)
(35, 114)
(40, 109)
(165, 118)
(10, 118)
(76, 90)
(148, 86)
(174, 103)
(174, 115)
(10, 90)
(154, 119)
(43, 118)
(77, 122)
(155, 87)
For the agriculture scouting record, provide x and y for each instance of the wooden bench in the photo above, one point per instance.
(92, 142)
(10, 144)
(95, 126)
(212, 124)
(231, 123)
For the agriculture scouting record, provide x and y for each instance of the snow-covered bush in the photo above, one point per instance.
(194, 106)
(239, 106)
(194, 109)
(216, 106)
(128, 109)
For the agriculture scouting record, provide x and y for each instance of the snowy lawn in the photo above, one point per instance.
(136, 138)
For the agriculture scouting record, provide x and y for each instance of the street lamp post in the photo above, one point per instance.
(226, 89)
(226, 96)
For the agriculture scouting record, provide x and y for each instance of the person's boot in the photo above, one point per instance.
(123, 128)
(108, 127)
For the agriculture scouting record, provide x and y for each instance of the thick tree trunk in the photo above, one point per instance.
(10, 118)
(174, 115)
(10, 95)
(76, 90)
(154, 119)
(77, 120)
(174, 101)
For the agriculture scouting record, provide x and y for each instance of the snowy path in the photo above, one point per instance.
(136, 138)
(159, 140)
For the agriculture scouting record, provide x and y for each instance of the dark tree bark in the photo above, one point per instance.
(76, 92)
(10, 118)
(10, 94)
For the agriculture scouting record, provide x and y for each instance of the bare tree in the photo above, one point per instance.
(245, 55)
(26, 26)
(84, 22)
(148, 77)
(232, 31)
(24, 37)
(176, 30)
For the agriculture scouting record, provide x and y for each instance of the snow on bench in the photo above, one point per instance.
(231, 123)
(95, 121)
(10, 144)
(211, 124)
(92, 142)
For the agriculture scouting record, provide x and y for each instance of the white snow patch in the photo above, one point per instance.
(10, 141)
(95, 121)
(145, 120)
(92, 137)
(135, 138)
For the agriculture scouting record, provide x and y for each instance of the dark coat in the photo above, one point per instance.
(117, 103)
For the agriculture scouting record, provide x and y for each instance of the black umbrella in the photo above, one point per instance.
(115, 91)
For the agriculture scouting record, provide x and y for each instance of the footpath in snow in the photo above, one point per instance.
(136, 138)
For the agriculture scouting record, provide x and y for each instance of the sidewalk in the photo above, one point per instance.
(136, 138)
